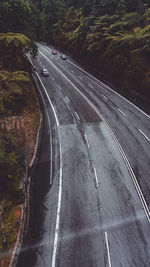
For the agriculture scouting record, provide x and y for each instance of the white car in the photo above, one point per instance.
(63, 56)
(45, 72)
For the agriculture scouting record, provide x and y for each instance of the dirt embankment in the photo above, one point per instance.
(24, 127)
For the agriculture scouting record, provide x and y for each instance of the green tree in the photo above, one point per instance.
(14, 16)
(13, 49)
(12, 92)
(10, 164)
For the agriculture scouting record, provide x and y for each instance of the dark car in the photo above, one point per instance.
(63, 56)
(54, 52)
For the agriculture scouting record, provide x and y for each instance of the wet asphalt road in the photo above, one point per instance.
(85, 208)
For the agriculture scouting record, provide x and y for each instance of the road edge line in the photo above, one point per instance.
(142, 111)
(53, 262)
(140, 194)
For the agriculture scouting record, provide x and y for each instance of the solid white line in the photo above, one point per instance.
(108, 250)
(59, 87)
(67, 99)
(48, 99)
(97, 184)
(53, 78)
(51, 149)
(144, 134)
(136, 184)
(87, 141)
(77, 116)
(143, 202)
(101, 83)
(56, 118)
(121, 112)
(104, 97)
(58, 214)
(90, 85)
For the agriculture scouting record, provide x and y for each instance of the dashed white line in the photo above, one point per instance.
(108, 250)
(59, 87)
(77, 116)
(121, 112)
(48, 99)
(90, 85)
(72, 71)
(144, 134)
(101, 83)
(87, 141)
(104, 97)
(67, 99)
(143, 201)
(53, 78)
(96, 179)
(80, 78)
(58, 214)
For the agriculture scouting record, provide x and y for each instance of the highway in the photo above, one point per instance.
(91, 196)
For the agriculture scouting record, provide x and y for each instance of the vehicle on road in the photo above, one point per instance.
(54, 52)
(44, 72)
(63, 56)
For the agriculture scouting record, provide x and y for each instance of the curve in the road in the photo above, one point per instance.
(139, 191)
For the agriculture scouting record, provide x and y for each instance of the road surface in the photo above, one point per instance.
(90, 200)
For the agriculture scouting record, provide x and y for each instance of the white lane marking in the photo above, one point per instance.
(67, 99)
(96, 179)
(90, 85)
(80, 78)
(104, 97)
(72, 71)
(53, 78)
(87, 141)
(77, 116)
(108, 250)
(144, 134)
(140, 194)
(51, 149)
(58, 213)
(121, 112)
(48, 99)
(56, 118)
(101, 83)
(138, 189)
(59, 87)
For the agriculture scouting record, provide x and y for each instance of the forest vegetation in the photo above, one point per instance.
(18, 114)
(113, 35)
